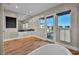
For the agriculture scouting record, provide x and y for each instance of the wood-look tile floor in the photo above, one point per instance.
(74, 52)
(26, 45)
(23, 46)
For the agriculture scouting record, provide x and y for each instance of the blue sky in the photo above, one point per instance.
(50, 22)
(62, 20)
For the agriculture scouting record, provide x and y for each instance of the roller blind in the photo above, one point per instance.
(63, 13)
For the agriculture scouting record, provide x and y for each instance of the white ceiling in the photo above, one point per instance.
(29, 9)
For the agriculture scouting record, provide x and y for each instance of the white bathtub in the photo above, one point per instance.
(51, 49)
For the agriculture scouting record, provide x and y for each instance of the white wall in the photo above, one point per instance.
(1, 29)
(54, 11)
(78, 27)
(35, 24)
(20, 24)
(10, 32)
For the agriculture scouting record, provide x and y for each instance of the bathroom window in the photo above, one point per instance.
(42, 22)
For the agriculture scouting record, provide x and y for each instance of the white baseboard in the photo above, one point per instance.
(68, 46)
(44, 38)
(18, 38)
(29, 36)
(26, 37)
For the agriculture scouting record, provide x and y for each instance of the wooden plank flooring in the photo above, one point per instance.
(74, 52)
(23, 46)
(26, 45)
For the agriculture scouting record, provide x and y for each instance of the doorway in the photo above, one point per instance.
(64, 22)
(50, 26)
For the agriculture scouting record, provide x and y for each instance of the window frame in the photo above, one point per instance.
(65, 13)
(42, 25)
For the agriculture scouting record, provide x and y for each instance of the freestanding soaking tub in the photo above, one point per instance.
(51, 49)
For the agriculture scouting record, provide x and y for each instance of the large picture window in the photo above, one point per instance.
(50, 25)
(64, 20)
(42, 22)
(64, 23)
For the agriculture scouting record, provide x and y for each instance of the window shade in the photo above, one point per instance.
(41, 18)
(63, 13)
(49, 17)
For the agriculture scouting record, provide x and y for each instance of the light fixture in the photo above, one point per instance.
(30, 12)
(16, 6)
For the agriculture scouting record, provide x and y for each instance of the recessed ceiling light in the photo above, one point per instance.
(16, 6)
(30, 11)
